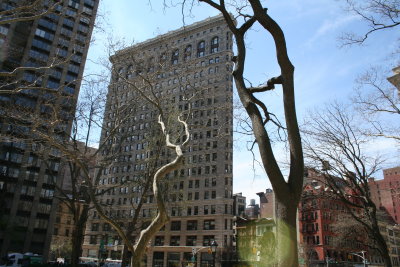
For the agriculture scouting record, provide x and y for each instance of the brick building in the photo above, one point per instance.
(386, 192)
(28, 170)
(194, 59)
(267, 203)
(325, 228)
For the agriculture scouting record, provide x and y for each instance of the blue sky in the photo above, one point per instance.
(324, 71)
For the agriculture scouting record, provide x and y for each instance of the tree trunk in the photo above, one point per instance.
(286, 222)
(78, 236)
(135, 261)
(126, 256)
(383, 248)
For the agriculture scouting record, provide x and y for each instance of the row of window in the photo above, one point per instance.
(190, 240)
(175, 57)
(174, 211)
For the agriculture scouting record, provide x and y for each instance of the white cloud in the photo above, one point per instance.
(330, 26)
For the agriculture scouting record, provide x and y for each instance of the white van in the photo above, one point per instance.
(17, 259)
(14, 260)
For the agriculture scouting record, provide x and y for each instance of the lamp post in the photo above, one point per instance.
(214, 246)
(361, 256)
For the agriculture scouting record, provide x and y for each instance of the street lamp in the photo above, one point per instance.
(361, 256)
(214, 246)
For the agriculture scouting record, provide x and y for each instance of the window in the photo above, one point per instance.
(175, 241)
(191, 225)
(159, 241)
(188, 52)
(207, 239)
(93, 239)
(175, 57)
(214, 45)
(95, 226)
(163, 57)
(206, 194)
(175, 225)
(212, 209)
(129, 72)
(209, 225)
(205, 209)
(191, 240)
(201, 48)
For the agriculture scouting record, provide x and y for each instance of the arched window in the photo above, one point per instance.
(214, 45)
(119, 73)
(163, 57)
(150, 65)
(188, 52)
(175, 57)
(201, 48)
(129, 72)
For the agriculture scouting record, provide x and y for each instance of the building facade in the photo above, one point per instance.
(267, 203)
(386, 192)
(395, 79)
(328, 232)
(51, 49)
(190, 69)
(239, 204)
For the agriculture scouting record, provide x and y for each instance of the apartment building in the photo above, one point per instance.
(190, 70)
(52, 50)
(386, 192)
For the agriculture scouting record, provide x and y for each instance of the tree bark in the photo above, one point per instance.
(286, 222)
(78, 235)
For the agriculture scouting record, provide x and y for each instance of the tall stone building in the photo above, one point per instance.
(47, 55)
(192, 69)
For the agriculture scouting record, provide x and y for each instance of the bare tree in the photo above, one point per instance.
(168, 130)
(287, 191)
(335, 144)
(44, 66)
(25, 10)
(377, 14)
(379, 104)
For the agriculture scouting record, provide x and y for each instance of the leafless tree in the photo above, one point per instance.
(30, 77)
(287, 191)
(335, 145)
(379, 104)
(169, 130)
(377, 14)
(25, 10)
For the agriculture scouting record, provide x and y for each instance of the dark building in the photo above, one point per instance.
(252, 210)
(51, 49)
(239, 204)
